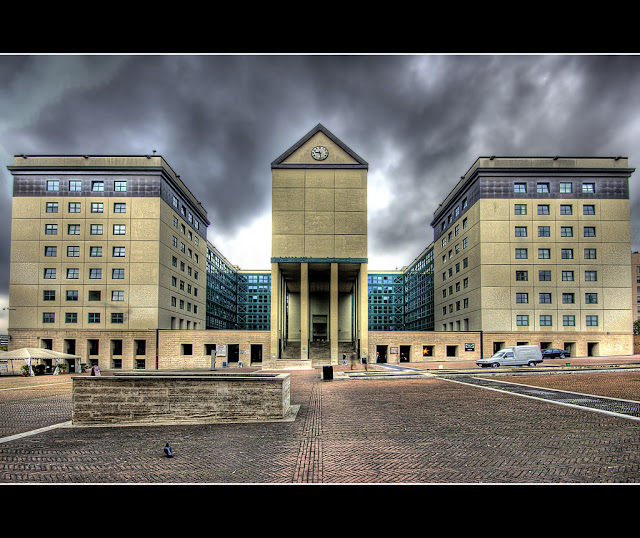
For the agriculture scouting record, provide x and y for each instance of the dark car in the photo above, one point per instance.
(554, 353)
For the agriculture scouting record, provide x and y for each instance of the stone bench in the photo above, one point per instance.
(180, 398)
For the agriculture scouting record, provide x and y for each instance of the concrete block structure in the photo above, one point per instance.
(110, 260)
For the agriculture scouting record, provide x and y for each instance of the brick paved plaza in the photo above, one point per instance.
(378, 431)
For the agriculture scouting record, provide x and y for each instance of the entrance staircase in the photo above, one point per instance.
(319, 352)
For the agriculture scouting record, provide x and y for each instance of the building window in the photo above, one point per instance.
(75, 185)
(591, 276)
(175, 202)
(542, 188)
(545, 321)
(588, 188)
(522, 297)
(73, 273)
(97, 207)
(588, 210)
(48, 317)
(117, 317)
(569, 321)
(119, 229)
(545, 298)
(53, 185)
(591, 298)
(117, 295)
(73, 229)
(592, 321)
(73, 252)
(566, 231)
(522, 320)
(521, 231)
(589, 231)
(520, 188)
(96, 229)
(566, 209)
(97, 186)
(49, 295)
(50, 273)
(544, 276)
(95, 295)
(71, 317)
(120, 186)
(566, 254)
(568, 298)
(544, 253)
(544, 231)
(95, 252)
(117, 274)
(72, 295)
(74, 207)
(119, 208)
(566, 188)
(118, 252)
(95, 274)
(567, 276)
(93, 317)
(51, 229)
(50, 252)
(521, 254)
(520, 209)
(174, 301)
(543, 209)
(589, 253)
(464, 223)
(522, 276)
(52, 207)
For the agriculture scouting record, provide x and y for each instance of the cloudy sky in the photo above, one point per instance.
(420, 121)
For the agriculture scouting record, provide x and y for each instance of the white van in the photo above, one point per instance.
(513, 356)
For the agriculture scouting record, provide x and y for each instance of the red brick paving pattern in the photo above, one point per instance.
(352, 431)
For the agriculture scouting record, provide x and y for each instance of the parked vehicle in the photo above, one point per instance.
(554, 353)
(513, 356)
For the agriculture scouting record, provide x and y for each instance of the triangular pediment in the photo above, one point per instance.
(339, 154)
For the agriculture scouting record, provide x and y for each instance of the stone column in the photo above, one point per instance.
(275, 310)
(363, 309)
(333, 311)
(304, 311)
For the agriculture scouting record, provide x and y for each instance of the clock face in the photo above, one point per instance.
(319, 153)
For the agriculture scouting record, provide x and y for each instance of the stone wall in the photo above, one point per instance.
(179, 398)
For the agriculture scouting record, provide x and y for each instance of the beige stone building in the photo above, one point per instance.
(110, 261)
(319, 250)
(103, 247)
(536, 248)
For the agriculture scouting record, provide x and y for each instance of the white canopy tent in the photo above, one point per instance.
(32, 354)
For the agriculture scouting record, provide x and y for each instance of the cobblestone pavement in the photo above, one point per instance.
(391, 430)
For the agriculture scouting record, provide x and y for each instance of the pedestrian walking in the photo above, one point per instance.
(353, 359)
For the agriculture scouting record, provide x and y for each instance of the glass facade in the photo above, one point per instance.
(403, 301)
(236, 300)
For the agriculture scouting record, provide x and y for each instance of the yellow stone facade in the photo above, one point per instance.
(319, 250)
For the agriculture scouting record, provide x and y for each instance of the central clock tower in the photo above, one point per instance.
(319, 251)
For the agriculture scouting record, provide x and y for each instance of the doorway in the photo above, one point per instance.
(233, 352)
(381, 354)
(256, 353)
(405, 353)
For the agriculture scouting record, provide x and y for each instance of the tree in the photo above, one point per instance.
(636, 326)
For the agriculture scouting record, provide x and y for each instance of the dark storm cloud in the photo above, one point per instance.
(219, 121)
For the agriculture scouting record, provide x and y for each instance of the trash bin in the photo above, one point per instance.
(327, 372)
